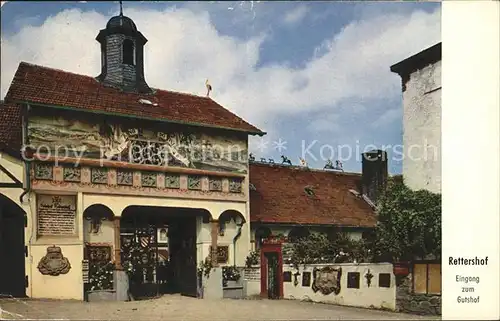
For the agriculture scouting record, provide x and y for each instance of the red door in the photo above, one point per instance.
(271, 270)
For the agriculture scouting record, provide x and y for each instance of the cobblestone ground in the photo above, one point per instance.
(176, 307)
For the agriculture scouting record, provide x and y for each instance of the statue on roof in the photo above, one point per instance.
(329, 165)
(285, 160)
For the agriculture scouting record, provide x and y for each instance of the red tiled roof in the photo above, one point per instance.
(10, 127)
(280, 197)
(46, 86)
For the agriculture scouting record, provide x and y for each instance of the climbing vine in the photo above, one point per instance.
(409, 224)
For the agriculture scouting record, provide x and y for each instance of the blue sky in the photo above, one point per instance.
(305, 72)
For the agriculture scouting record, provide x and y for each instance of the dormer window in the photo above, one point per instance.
(128, 52)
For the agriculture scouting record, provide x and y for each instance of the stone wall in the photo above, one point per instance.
(367, 285)
(409, 302)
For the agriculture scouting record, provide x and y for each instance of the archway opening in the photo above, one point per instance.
(12, 251)
(99, 238)
(159, 249)
(230, 218)
(128, 52)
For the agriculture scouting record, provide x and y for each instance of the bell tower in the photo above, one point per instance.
(122, 55)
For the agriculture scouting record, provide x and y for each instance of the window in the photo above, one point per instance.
(427, 278)
(306, 279)
(287, 276)
(128, 52)
(384, 280)
(353, 280)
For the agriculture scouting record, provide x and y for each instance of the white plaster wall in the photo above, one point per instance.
(422, 129)
(105, 235)
(367, 297)
(70, 285)
(252, 284)
(203, 240)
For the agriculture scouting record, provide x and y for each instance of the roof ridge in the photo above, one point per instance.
(305, 169)
(88, 76)
(53, 68)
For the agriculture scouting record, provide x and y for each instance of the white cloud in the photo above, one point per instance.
(184, 49)
(388, 117)
(296, 15)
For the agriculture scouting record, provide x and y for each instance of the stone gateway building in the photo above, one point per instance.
(114, 175)
(111, 188)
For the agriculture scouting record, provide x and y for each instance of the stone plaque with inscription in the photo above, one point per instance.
(56, 214)
(252, 274)
(85, 271)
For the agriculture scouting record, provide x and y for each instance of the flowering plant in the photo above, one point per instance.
(230, 273)
(101, 276)
(252, 259)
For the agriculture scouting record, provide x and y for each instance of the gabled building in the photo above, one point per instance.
(98, 169)
(294, 201)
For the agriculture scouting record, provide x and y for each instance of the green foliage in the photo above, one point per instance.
(101, 276)
(409, 224)
(319, 248)
(205, 267)
(252, 259)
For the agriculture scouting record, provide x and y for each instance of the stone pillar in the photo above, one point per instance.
(214, 233)
(120, 278)
(118, 259)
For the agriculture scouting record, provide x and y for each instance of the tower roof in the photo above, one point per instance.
(121, 25)
(121, 22)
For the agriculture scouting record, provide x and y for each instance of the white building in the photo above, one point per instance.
(421, 87)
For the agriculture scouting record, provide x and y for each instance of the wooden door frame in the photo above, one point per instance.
(269, 246)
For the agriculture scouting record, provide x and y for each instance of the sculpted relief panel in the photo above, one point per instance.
(114, 141)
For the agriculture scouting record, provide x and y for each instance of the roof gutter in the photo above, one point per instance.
(291, 224)
(27, 163)
(259, 133)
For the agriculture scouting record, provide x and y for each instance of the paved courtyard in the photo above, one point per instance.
(176, 307)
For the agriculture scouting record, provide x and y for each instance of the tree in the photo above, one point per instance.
(409, 224)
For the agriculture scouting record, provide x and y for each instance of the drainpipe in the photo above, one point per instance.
(236, 237)
(27, 164)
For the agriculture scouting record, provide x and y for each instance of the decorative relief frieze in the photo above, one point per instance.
(194, 182)
(235, 185)
(148, 179)
(172, 181)
(44, 171)
(54, 263)
(99, 175)
(72, 174)
(124, 177)
(221, 253)
(215, 184)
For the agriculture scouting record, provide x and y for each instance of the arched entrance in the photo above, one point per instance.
(98, 252)
(159, 249)
(12, 252)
